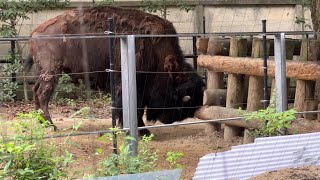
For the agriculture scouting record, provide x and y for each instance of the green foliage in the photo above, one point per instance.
(123, 163)
(276, 121)
(66, 91)
(25, 154)
(104, 3)
(7, 31)
(7, 86)
(11, 13)
(83, 113)
(64, 87)
(303, 20)
(153, 6)
(173, 157)
(102, 100)
(303, 2)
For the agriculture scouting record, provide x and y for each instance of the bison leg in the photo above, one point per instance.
(141, 123)
(35, 89)
(119, 112)
(44, 93)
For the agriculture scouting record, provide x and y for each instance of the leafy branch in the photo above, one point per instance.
(152, 6)
(276, 121)
(11, 13)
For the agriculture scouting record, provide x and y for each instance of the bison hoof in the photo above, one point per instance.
(144, 132)
(54, 127)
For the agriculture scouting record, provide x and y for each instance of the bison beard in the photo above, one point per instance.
(175, 88)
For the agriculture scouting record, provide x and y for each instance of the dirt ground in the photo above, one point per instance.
(191, 140)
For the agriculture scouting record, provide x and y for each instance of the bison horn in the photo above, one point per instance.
(186, 98)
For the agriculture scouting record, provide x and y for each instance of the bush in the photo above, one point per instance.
(7, 86)
(66, 91)
(25, 154)
(122, 163)
(276, 122)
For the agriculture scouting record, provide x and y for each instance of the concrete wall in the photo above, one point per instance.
(221, 16)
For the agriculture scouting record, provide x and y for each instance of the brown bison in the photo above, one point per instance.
(169, 96)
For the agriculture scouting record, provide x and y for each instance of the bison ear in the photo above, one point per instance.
(171, 64)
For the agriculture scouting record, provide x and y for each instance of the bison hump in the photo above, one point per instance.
(61, 25)
(42, 27)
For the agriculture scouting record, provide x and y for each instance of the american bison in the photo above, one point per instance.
(173, 87)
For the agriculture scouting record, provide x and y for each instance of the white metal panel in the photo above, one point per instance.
(265, 154)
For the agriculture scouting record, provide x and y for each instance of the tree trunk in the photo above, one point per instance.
(315, 17)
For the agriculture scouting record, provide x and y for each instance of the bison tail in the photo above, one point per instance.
(28, 63)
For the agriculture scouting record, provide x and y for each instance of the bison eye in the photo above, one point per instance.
(175, 97)
(186, 98)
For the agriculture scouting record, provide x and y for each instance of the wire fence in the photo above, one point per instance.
(227, 24)
(103, 35)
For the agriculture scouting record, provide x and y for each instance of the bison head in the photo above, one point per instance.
(178, 103)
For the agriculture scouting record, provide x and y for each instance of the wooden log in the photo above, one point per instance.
(212, 127)
(304, 89)
(218, 46)
(202, 45)
(314, 55)
(253, 66)
(235, 94)
(318, 114)
(214, 81)
(290, 91)
(214, 97)
(296, 49)
(310, 105)
(248, 136)
(215, 112)
(230, 132)
(255, 89)
(255, 93)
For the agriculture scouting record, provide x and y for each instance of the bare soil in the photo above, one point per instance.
(191, 140)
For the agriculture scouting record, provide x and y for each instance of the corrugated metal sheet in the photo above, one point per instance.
(265, 154)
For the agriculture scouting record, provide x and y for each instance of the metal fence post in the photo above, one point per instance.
(129, 89)
(112, 81)
(280, 72)
(265, 65)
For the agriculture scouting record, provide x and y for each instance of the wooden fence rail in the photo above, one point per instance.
(244, 87)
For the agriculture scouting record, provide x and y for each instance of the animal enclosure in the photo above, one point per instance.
(235, 79)
(233, 70)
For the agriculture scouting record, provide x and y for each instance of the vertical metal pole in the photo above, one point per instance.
(13, 52)
(265, 65)
(194, 54)
(204, 31)
(112, 81)
(280, 72)
(204, 24)
(129, 89)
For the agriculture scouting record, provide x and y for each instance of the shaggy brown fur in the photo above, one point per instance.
(53, 56)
